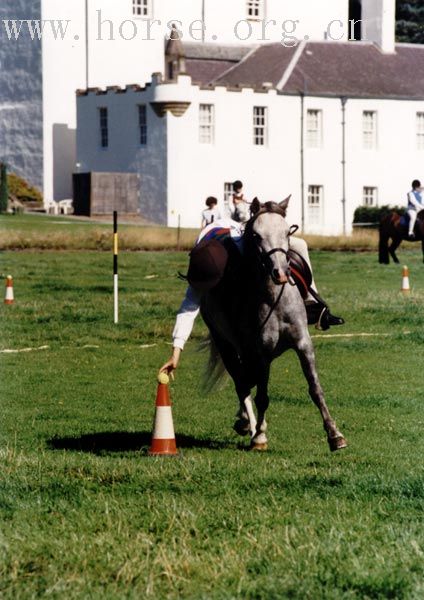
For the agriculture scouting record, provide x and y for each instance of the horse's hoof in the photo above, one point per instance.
(259, 447)
(241, 427)
(337, 443)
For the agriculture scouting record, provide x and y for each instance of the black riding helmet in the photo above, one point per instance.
(208, 260)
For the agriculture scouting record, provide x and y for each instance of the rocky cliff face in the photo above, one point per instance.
(21, 115)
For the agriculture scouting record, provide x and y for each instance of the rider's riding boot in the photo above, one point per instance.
(326, 320)
(319, 315)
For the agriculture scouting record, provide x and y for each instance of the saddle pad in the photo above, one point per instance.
(404, 220)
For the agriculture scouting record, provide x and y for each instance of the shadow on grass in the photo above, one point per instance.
(124, 441)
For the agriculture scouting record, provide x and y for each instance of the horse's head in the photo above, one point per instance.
(267, 234)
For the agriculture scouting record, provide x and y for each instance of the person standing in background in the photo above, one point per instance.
(212, 213)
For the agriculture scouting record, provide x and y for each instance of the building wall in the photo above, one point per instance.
(125, 154)
(178, 172)
(113, 58)
(63, 73)
(21, 134)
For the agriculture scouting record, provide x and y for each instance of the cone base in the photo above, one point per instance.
(163, 448)
(8, 301)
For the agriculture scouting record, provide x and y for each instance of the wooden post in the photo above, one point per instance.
(179, 232)
(115, 266)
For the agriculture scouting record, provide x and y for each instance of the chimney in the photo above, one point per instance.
(378, 23)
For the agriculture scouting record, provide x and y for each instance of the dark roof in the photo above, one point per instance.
(205, 71)
(206, 62)
(208, 51)
(360, 70)
(266, 64)
(355, 69)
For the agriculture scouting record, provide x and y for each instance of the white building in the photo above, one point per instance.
(89, 43)
(337, 124)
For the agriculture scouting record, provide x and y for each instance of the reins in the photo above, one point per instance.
(265, 256)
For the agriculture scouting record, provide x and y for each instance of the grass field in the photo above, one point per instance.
(43, 232)
(85, 513)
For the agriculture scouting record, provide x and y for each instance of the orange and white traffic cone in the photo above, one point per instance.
(163, 438)
(9, 298)
(405, 289)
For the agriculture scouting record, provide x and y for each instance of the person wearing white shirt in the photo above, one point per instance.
(415, 205)
(212, 213)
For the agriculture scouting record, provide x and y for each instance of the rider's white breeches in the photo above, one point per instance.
(412, 218)
(301, 247)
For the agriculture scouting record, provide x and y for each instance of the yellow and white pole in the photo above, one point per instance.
(115, 266)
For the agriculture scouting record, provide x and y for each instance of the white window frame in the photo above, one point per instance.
(260, 126)
(255, 10)
(104, 127)
(315, 205)
(314, 128)
(420, 130)
(370, 195)
(206, 123)
(142, 9)
(369, 129)
(142, 124)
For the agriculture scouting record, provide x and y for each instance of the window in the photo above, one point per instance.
(260, 125)
(255, 9)
(142, 8)
(369, 128)
(420, 130)
(370, 196)
(206, 123)
(314, 128)
(104, 129)
(315, 194)
(228, 194)
(142, 124)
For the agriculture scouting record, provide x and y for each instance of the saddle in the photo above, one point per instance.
(300, 272)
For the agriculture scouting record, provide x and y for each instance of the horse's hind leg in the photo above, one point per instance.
(306, 355)
(393, 247)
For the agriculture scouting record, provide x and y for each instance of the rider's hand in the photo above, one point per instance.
(172, 363)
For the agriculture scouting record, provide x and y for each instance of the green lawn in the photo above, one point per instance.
(85, 513)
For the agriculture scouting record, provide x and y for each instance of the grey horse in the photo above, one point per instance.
(254, 315)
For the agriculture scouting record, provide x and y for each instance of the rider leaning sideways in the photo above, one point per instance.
(415, 205)
(208, 261)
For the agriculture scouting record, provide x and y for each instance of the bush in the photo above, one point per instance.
(21, 190)
(374, 214)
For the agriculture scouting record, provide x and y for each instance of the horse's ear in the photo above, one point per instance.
(255, 207)
(284, 204)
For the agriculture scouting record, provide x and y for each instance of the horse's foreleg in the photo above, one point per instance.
(306, 355)
(259, 439)
(422, 248)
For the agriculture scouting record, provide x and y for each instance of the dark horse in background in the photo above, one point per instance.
(394, 229)
(255, 314)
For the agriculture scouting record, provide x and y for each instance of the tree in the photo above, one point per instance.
(3, 188)
(410, 21)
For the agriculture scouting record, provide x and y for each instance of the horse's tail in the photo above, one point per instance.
(215, 374)
(383, 244)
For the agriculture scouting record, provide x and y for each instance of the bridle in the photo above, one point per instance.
(265, 261)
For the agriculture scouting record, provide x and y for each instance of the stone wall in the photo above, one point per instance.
(21, 116)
